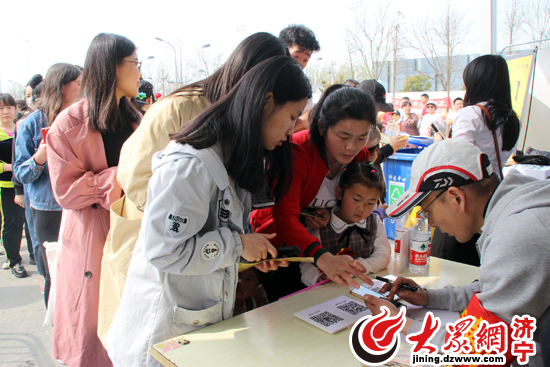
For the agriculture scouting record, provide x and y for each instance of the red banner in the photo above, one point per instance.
(442, 103)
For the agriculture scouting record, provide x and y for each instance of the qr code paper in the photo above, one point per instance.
(352, 308)
(326, 319)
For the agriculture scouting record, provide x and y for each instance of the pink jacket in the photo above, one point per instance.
(83, 184)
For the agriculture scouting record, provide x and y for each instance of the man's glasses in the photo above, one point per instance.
(137, 63)
(422, 212)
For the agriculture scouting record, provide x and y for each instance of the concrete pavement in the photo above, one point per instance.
(24, 341)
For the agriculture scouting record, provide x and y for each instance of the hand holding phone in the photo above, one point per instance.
(308, 212)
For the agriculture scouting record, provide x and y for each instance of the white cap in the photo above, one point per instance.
(451, 162)
(432, 102)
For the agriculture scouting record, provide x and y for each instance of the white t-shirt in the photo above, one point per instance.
(326, 196)
(469, 125)
(452, 115)
(428, 120)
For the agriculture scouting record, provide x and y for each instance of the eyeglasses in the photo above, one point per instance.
(137, 63)
(422, 212)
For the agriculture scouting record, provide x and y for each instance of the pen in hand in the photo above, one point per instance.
(402, 285)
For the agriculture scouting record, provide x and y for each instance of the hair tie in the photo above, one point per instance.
(373, 171)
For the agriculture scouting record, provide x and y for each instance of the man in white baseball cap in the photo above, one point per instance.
(432, 117)
(453, 182)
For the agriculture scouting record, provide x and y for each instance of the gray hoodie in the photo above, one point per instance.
(515, 257)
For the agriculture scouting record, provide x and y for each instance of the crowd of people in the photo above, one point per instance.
(154, 194)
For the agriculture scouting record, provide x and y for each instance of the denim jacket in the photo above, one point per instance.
(36, 178)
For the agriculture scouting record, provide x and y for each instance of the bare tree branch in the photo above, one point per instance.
(513, 20)
(537, 20)
(438, 40)
(370, 39)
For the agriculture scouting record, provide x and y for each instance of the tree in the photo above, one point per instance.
(417, 83)
(438, 40)
(512, 22)
(160, 82)
(370, 39)
(397, 45)
(206, 63)
(537, 20)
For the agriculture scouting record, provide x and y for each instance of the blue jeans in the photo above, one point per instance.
(30, 225)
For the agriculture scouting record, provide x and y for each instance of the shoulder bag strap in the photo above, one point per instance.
(495, 140)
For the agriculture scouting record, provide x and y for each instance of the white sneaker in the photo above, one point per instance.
(6, 265)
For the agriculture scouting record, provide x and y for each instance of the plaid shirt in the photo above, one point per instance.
(359, 236)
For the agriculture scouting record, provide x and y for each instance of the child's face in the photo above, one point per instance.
(358, 202)
(248, 283)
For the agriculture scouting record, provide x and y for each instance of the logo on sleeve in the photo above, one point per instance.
(223, 213)
(176, 224)
(211, 250)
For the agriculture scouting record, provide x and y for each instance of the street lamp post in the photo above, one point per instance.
(175, 57)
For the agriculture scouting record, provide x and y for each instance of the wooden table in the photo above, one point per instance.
(273, 336)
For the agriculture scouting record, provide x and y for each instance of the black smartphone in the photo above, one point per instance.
(288, 251)
(308, 212)
(437, 130)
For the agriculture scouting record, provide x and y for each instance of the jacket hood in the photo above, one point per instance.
(210, 157)
(516, 193)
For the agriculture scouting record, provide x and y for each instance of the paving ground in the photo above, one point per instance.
(24, 341)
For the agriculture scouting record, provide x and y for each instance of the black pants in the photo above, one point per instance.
(28, 238)
(12, 225)
(282, 282)
(46, 223)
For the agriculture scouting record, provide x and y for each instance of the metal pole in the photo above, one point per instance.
(524, 43)
(175, 58)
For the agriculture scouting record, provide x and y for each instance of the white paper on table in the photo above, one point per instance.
(334, 315)
(405, 250)
(419, 312)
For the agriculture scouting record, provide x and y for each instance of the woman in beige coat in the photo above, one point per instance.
(164, 118)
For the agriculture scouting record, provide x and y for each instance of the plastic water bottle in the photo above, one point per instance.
(399, 230)
(420, 246)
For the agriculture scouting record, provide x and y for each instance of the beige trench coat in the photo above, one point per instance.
(165, 117)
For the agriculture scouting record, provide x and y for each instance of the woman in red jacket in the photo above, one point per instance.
(339, 127)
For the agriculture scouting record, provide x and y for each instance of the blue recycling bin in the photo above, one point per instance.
(397, 173)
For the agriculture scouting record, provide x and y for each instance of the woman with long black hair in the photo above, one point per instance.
(184, 269)
(83, 152)
(339, 127)
(31, 162)
(165, 117)
(489, 122)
